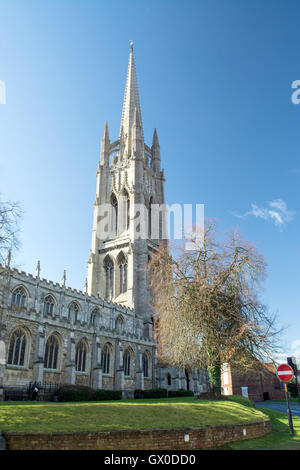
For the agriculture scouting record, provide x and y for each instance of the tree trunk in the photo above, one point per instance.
(214, 373)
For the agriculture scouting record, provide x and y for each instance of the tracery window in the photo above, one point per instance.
(126, 363)
(73, 311)
(145, 365)
(80, 356)
(48, 305)
(119, 324)
(93, 317)
(105, 359)
(17, 348)
(51, 353)
(18, 297)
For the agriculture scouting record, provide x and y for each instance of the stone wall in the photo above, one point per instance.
(152, 439)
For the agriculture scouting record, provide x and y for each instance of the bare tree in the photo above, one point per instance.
(10, 214)
(208, 307)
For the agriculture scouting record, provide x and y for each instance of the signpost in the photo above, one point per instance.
(293, 363)
(285, 374)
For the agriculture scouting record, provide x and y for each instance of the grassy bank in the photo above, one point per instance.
(278, 439)
(125, 414)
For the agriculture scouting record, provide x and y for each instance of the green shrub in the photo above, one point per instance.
(180, 393)
(292, 388)
(184, 393)
(101, 395)
(156, 393)
(74, 393)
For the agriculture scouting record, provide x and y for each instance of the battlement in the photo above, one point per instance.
(22, 276)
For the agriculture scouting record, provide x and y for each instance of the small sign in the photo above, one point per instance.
(285, 373)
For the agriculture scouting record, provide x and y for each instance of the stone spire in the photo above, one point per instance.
(131, 98)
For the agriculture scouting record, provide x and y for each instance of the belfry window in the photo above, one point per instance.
(150, 217)
(17, 348)
(109, 277)
(126, 209)
(122, 262)
(114, 203)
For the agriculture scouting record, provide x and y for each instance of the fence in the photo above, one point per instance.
(45, 391)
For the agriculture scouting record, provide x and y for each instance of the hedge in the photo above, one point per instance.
(75, 393)
(180, 393)
(156, 393)
(100, 395)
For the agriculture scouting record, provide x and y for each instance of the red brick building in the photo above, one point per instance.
(262, 385)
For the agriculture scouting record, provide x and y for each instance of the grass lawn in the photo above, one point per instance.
(125, 414)
(278, 439)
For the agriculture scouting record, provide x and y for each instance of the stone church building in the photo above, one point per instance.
(102, 336)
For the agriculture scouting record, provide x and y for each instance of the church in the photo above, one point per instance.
(101, 337)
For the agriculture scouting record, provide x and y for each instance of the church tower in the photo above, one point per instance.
(128, 175)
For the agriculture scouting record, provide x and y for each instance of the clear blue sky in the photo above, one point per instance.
(215, 80)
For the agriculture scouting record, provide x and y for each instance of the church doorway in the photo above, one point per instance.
(187, 378)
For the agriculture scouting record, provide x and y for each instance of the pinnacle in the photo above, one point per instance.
(155, 142)
(131, 98)
(105, 132)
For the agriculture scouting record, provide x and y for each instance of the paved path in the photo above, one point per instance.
(280, 406)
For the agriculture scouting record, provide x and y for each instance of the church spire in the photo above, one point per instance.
(131, 97)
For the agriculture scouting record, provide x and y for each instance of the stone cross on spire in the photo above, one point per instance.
(131, 97)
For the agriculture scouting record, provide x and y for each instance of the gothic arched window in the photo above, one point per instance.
(145, 365)
(93, 317)
(126, 363)
(48, 305)
(119, 325)
(114, 203)
(17, 348)
(105, 359)
(150, 217)
(109, 277)
(169, 380)
(18, 297)
(80, 356)
(51, 353)
(73, 312)
(126, 198)
(122, 263)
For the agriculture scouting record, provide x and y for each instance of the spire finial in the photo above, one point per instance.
(38, 269)
(8, 259)
(131, 45)
(63, 281)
